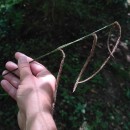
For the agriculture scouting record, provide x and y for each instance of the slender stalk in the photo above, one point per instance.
(66, 45)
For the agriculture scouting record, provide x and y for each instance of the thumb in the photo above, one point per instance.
(24, 67)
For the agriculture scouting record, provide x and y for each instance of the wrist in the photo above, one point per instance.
(40, 121)
(35, 116)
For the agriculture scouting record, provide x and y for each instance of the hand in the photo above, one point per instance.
(33, 89)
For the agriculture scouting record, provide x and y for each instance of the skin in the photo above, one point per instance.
(33, 89)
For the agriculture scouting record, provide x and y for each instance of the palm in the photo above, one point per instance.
(11, 82)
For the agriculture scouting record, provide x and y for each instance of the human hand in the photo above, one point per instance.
(33, 89)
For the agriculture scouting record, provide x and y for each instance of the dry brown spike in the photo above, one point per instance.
(116, 24)
(87, 61)
(59, 75)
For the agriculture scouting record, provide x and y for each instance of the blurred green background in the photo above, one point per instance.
(36, 27)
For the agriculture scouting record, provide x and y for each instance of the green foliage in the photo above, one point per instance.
(11, 19)
(127, 93)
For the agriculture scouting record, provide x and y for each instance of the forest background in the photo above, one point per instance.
(36, 27)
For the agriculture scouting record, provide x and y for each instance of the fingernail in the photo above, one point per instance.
(4, 72)
(3, 82)
(22, 59)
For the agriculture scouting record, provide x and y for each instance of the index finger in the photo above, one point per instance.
(24, 67)
(35, 66)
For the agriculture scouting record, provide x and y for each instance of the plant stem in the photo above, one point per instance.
(65, 45)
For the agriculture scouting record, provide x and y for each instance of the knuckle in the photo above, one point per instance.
(53, 77)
